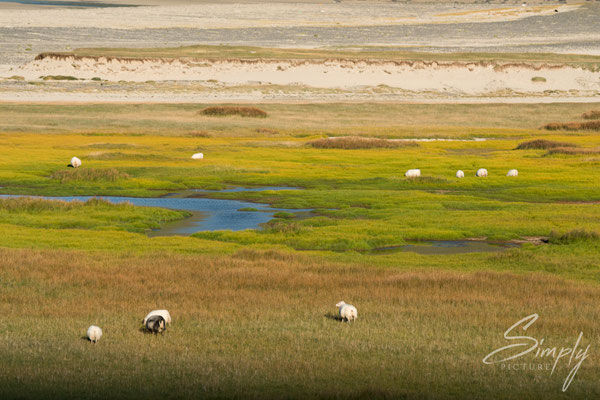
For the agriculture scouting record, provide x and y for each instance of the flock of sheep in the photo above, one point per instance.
(157, 320)
(481, 172)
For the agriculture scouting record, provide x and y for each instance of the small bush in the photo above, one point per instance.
(538, 79)
(17, 78)
(572, 151)
(573, 126)
(594, 114)
(577, 235)
(96, 79)
(358, 142)
(59, 78)
(542, 144)
(222, 111)
(267, 131)
(199, 134)
(89, 174)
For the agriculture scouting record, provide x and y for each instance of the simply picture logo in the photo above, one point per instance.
(545, 358)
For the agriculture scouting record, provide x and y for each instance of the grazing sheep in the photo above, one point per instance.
(481, 172)
(198, 156)
(347, 311)
(94, 333)
(413, 173)
(156, 324)
(460, 174)
(163, 313)
(75, 162)
(513, 172)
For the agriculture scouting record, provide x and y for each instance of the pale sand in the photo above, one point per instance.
(252, 15)
(471, 79)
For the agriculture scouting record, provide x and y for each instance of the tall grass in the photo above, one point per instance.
(221, 111)
(576, 235)
(573, 126)
(261, 324)
(542, 144)
(359, 142)
(89, 175)
(594, 114)
(573, 151)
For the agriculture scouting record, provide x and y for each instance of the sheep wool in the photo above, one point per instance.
(198, 156)
(75, 162)
(460, 174)
(513, 172)
(481, 172)
(347, 311)
(94, 333)
(163, 313)
(413, 173)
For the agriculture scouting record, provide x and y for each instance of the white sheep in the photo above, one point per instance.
(198, 156)
(460, 174)
(513, 172)
(75, 162)
(347, 311)
(94, 333)
(413, 173)
(481, 172)
(163, 313)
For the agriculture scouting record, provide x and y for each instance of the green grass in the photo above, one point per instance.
(94, 214)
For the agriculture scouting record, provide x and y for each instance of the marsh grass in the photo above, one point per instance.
(222, 111)
(95, 213)
(576, 235)
(89, 175)
(594, 114)
(111, 146)
(572, 151)
(542, 144)
(359, 142)
(573, 126)
(262, 324)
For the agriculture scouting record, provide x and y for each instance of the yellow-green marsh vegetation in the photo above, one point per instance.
(254, 311)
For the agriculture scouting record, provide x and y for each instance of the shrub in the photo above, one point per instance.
(358, 142)
(199, 134)
(577, 235)
(89, 174)
(59, 78)
(538, 79)
(573, 126)
(542, 144)
(221, 111)
(594, 114)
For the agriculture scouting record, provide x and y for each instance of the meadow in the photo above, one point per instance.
(254, 311)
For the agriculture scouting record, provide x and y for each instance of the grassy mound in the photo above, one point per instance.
(594, 114)
(573, 236)
(542, 144)
(573, 126)
(222, 111)
(358, 142)
(89, 174)
(59, 78)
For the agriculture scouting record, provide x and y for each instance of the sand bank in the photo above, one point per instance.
(459, 78)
